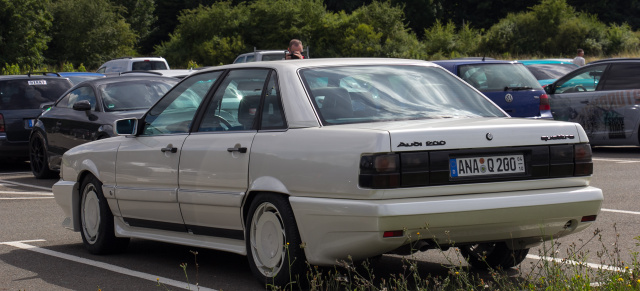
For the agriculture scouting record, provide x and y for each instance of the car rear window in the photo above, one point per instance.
(550, 71)
(31, 93)
(148, 65)
(273, 56)
(357, 94)
(496, 77)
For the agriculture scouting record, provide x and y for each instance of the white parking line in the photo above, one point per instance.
(165, 281)
(565, 261)
(25, 198)
(617, 161)
(621, 211)
(26, 193)
(16, 173)
(26, 185)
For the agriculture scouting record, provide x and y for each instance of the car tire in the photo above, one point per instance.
(492, 255)
(39, 158)
(273, 243)
(96, 220)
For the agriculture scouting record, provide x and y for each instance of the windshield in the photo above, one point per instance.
(354, 94)
(550, 71)
(133, 95)
(498, 77)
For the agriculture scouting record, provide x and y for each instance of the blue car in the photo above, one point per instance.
(548, 71)
(508, 84)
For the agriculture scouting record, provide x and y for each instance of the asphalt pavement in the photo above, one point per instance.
(37, 253)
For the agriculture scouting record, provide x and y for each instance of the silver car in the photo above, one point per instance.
(604, 97)
(289, 162)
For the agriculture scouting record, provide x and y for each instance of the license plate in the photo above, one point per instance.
(30, 123)
(480, 166)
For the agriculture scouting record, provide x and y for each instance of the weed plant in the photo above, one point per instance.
(556, 267)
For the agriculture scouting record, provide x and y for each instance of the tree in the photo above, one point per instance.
(139, 14)
(89, 32)
(218, 33)
(23, 31)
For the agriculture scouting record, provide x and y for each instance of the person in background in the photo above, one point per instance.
(579, 60)
(295, 50)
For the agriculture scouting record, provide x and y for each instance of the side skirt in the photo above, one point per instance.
(179, 234)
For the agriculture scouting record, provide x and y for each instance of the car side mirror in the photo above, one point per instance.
(127, 126)
(82, 105)
(549, 89)
(46, 106)
(595, 74)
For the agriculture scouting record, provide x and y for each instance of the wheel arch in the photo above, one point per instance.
(76, 199)
(39, 128)
(252, 195)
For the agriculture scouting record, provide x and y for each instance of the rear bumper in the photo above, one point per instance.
(9, 149)
(335, 229)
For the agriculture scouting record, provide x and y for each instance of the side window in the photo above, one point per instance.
(622, 77)
(272, 113)
(79, 94)
(101, 70)
(581, 80)
(175, 111)
(235, 103)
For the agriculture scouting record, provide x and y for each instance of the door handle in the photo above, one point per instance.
(241, 149)
(169, 148)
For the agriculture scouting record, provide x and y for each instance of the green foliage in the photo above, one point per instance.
(89, 32)
(24, 27)
(67, 67)
(445, 41)
(81, 68)
(554, 28)
(208, 35)
(13, 69)
(139, 14)
(216, 34)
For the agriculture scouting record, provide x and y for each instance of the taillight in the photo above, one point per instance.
(544, 102)
(379, 171)
(1, 123)
(583, 161)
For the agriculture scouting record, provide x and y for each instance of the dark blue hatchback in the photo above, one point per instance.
(22, 99)
(508, 84)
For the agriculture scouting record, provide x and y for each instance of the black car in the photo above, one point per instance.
(86, 113)
(22, 98)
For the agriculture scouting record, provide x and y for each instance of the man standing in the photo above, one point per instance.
(295, 50)
(579, 60)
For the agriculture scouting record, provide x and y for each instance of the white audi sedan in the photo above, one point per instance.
(318, 160)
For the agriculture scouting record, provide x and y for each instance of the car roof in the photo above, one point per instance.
(124, 78)
(138, 58)
(615, 60)
(474, 61)
(547, 61)
(32, 76)
(64, 74)
(264, 52)
(310, 63)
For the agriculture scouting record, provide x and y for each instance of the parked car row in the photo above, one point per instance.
(346, 157)
(44, 114)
